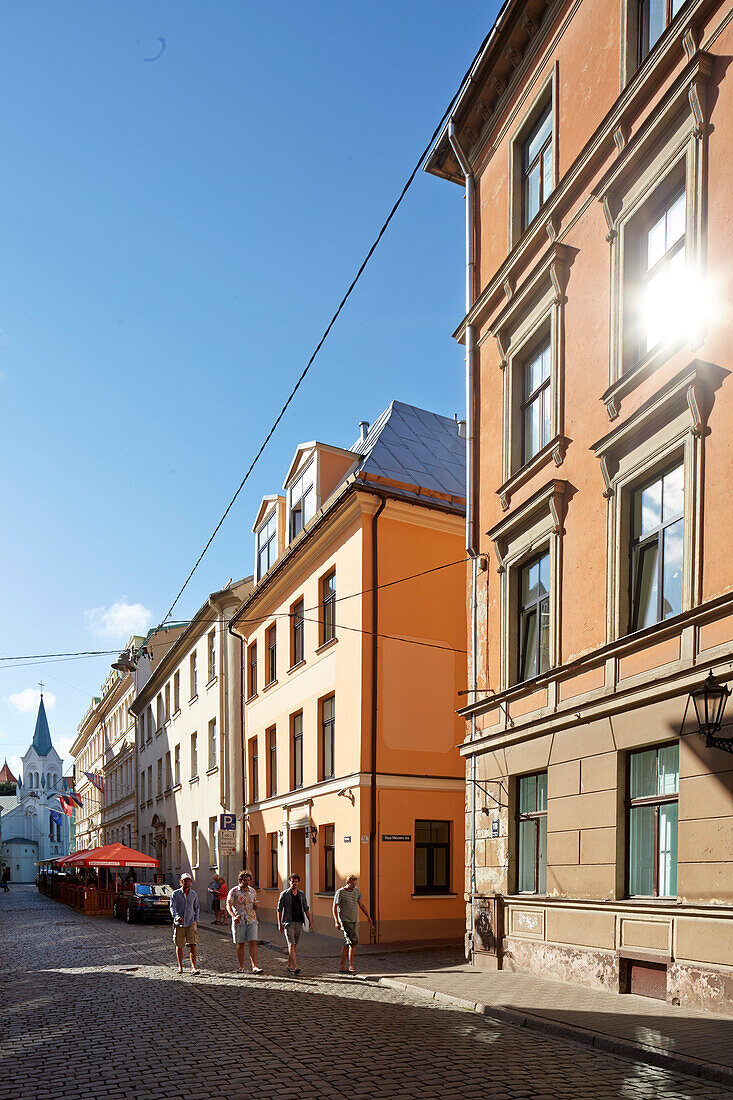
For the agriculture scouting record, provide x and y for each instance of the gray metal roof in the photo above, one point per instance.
(7, 802)
(415, 448)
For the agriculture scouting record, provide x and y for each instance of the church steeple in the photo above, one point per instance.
(42, 735)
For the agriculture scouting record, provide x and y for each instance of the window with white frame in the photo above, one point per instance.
(534, 616)
(537, 166)
(302, 499)
(654, 16)
(212, 744)
(657, 540)
(194, 843)
(536, 408)
(211, 656)
(266, 544)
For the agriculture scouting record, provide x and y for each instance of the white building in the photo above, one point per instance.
(189, 737)
(28, 832)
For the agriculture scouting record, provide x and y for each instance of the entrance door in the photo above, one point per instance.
(297, 854)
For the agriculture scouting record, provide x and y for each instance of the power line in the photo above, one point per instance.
(80, 653)
(318, 347)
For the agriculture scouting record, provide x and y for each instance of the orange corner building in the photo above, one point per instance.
(354, 654)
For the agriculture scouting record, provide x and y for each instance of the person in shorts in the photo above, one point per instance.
(346, 904)
(241, 904)
(292, 913)
(185, 913)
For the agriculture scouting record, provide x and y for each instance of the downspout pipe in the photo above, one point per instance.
(235, 634)
(471, 541)
(375, 704)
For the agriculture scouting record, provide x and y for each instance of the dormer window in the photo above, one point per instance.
(266, 545)
(302, 499)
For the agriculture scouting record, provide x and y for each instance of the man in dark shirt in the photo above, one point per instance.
(292, 913)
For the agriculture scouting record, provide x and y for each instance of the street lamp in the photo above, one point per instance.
(709, 702)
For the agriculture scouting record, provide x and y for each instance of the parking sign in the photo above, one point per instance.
(227, 822)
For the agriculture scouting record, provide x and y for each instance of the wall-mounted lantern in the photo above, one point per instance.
(709, 702)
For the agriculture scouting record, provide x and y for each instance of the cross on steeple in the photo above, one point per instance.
(40, 684)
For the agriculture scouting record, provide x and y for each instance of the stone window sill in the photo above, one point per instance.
(327, 645)
(193, 779)
(193, 699)
(251, 698)
(432, 897)
(211, 682)
(298, 665)
(211, 771)
(271, 684)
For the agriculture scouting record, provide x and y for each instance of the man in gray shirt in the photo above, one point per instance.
(346, 917)
(185, 913)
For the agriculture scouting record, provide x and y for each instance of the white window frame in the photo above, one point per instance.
(309, 469)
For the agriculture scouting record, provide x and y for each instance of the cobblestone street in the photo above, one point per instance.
(93, 1007)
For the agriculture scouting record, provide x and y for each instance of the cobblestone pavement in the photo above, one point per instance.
(93, 1007)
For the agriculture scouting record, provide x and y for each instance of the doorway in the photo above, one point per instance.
(297, 854)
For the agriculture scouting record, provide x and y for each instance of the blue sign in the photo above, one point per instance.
(227, 822)
(495, 827)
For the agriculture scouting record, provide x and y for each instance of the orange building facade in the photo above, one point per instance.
(594, 143)
(354, 652)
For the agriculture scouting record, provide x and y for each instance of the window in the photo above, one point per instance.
(194, 844)
(432, 857)
(537, 166)
(272, 761)
(297, 760)
(167, 705)
(212, 842)
(160, 775)
(212, 744)
(160, 718)
(272, 654)
(653, 787)
(328, 728)
(194, 675)
(176, 692)
(211, 656)
(329, 860)
(656, 549)
(150, 783)
(149, 713)
(177, 766)
(252, 671)
(654, 17)
(328, 607)
(169, 849)
(168, 772)
(536, 406)
(142, 786)
(534, 617)
(178, 846)
(660, 302)
(302, 499)
(254, 859)
(297, 638)
(272, 848)
(266, 545)
(254, 779)
(194, 756)
(532, 834)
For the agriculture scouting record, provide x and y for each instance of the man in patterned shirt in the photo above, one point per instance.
(241, 905)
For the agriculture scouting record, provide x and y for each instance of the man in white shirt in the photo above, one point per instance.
(346, 917)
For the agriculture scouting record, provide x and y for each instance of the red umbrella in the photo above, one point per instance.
(112, 855)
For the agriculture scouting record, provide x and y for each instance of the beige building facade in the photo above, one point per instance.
(189, 734)
(594, 144)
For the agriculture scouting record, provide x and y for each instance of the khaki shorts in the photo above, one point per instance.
(185, 935)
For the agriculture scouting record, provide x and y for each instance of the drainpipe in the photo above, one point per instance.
(241, 735)
(471, 541)
(373, 791)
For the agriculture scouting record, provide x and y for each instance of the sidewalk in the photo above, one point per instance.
(638, 1028)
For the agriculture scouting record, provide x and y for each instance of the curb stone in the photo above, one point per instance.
(622, 1048)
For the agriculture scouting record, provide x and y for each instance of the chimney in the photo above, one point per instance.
(461, 428)
(363, 429)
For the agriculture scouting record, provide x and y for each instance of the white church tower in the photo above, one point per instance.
(28, 833)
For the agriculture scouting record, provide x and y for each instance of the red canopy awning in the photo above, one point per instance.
(111, 855)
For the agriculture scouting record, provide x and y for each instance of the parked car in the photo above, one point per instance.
(143, 901)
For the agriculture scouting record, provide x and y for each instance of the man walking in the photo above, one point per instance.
(241, 904)
(292, 913)
(345, 917)
(185, 913)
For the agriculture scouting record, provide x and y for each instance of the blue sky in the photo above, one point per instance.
(175, 236)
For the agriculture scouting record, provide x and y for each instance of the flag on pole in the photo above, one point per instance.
(74, 797)
(51, 796)
(56, 817)
(66, 806)
(96, 779)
